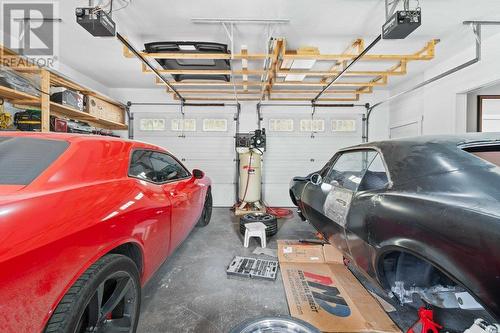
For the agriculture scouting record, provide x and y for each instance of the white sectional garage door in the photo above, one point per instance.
(291, 151)
(204, 140)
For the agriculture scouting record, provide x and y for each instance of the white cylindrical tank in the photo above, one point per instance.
(250, 175)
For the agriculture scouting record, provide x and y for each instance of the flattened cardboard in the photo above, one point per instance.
(323, 292)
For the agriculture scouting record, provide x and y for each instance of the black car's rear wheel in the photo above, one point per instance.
(206, 214)
(106, 298)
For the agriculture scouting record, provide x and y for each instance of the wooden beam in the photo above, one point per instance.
(244, 66)
(315, 92)
(339, 66)
(319, 84)
(45, 100)
(204, 83)
(217, 91)
(204, 56)
(256, 92)
(279, 72)
(318, 57)
(194, 98)
(283, 72)
(354, 99)
(426, 53)
(271, 71)
(368, 57)
(277, 84)
(206, 71)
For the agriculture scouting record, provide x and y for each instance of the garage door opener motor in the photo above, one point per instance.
(250, 148)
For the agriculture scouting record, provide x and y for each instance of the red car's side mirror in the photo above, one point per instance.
(198, 174)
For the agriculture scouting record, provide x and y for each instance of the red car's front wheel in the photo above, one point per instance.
(206, 214)
(106, 298)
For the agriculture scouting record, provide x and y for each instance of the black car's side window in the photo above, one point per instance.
(349, 168)
(375, 177)
(155, 167)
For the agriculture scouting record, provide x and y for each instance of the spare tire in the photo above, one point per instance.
(269, 220)
(276, 324)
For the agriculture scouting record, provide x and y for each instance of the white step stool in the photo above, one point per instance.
(255, 229)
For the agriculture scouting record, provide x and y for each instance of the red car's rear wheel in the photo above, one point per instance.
(106, 298)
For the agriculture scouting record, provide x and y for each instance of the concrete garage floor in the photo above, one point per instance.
(191, 293)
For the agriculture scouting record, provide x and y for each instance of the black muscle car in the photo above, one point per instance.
(419, 216)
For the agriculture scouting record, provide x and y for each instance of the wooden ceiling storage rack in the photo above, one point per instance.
(49, 78)
(281, 80)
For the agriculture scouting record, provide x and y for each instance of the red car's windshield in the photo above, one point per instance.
(23, 159)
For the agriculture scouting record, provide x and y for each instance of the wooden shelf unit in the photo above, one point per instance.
(69, 112)
(18, 96)
(50, 78)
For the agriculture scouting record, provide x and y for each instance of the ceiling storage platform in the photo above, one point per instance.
(279, 75)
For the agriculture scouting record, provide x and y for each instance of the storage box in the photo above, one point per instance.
(104, 110)
(67, 97)
(322, 291)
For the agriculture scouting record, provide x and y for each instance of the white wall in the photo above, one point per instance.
(443, 104)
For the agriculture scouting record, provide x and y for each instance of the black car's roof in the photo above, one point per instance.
(415, 157)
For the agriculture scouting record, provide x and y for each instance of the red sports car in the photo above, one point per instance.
(85, 221)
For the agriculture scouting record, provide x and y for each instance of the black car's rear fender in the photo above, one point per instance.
(453, 239)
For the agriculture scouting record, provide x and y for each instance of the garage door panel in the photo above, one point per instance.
(223, 195)
(220, 174)
(279, 172)
(277, 195)
(211, 151)
(292, 151)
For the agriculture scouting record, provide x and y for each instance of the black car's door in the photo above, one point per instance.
(363, 212)
(327, 205)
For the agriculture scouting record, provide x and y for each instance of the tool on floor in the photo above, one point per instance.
(267, 252)
(425, 322)
(253, 268)
(256, 229)
(312, 241)
(482, 326)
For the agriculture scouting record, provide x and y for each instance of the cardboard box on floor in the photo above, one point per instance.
(322, 291)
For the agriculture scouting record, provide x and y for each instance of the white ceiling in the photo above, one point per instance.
(328, 24)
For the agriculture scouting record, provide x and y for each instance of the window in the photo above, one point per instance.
(375, 177)
(490, 153)
(156, 167)
(152, 124)
(349, 168)
(281, 125)
(167, 168)
(24, 159)
(488, 119)
(344, 125)
(179, 125)
(215, 125)
(312, 125)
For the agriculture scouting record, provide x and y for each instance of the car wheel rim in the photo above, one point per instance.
(276, 325)
(112, 307)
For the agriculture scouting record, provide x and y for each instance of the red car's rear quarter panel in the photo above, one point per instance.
(80, 208)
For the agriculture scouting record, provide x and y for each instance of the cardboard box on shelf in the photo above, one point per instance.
(323, 292)
(104, 110)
